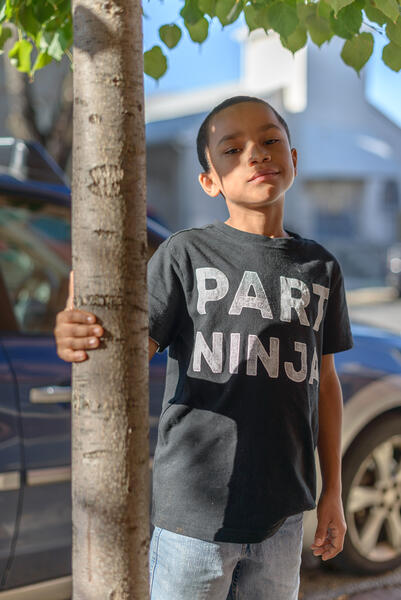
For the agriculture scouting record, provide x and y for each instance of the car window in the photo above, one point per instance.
(35, 257)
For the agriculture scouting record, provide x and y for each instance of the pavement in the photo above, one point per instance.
(376, 306)
(324, 583)
(393, 593)
(371, 295)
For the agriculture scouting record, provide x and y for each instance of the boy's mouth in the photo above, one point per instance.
(265, 174)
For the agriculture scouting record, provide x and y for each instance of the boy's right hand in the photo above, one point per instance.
(76, 330)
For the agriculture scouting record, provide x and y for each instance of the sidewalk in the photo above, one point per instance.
(327, 584)
(371, 295)
(386, 593)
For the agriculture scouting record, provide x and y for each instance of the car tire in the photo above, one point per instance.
(372, 499)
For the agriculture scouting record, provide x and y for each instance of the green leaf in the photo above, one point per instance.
(375, 15)
(228, 11)
(6, 11)
(390, 8)
(43, 40)
(208, 7)
(3, 10)
(154, 62)
(315, 17)
(170, 35)
(60, 42)
(256, 17)
(43, 11)
(41, 61)
(283, 18)
(20, 55)
(190, 12)
(392, 56)
(251, 14)
(324, 10)
(199, 31)
(296, 40)
(348, 21)
(305, 11)
(5, 34)
(393, 32)
(319, 30)
(68, 33)
(28, 21)
(337, 5)
(55, 49)
(356, 52)
(64, 8)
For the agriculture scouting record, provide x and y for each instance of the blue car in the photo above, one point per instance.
(35, 506)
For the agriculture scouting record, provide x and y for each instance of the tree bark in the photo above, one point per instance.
(110, 390)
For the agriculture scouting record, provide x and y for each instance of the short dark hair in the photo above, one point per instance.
(202, 139)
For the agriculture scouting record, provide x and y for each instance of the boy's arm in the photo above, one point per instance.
(77, 331)
(330, 532)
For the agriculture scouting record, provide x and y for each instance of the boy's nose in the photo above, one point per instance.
(259, 153)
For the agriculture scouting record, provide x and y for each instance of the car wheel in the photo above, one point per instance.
(372, 499)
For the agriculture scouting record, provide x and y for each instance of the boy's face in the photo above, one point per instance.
(251, 162)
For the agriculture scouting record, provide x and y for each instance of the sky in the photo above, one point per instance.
(383, 86)
(193, 66)
(190, 65)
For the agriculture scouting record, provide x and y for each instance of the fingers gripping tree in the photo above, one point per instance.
(110, 400)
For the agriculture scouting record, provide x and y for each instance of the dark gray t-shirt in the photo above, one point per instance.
(246, 319)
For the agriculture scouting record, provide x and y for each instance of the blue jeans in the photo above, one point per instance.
(185, 568)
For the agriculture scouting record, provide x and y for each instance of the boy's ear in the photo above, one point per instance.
(208, 185)
(294, 155)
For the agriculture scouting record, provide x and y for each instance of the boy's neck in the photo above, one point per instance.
(266, 223)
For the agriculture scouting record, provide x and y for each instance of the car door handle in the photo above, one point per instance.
(50, 394)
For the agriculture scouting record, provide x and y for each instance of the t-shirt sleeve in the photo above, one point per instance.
(337, 335)
(166, 296)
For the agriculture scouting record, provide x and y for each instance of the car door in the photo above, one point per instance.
(35, 262)
(10, 446)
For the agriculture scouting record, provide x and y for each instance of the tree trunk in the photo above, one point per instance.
(110, 390)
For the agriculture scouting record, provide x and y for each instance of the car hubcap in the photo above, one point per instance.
(373, 507)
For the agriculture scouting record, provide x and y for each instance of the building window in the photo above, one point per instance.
(336, 205)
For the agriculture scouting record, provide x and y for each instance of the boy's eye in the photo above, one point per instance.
(231, 151)
(236, 150)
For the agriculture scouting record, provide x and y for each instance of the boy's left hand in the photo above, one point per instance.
(331, 526)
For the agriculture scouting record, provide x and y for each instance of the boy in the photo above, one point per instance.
(252, 315)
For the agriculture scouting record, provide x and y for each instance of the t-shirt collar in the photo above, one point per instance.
(246, 237)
